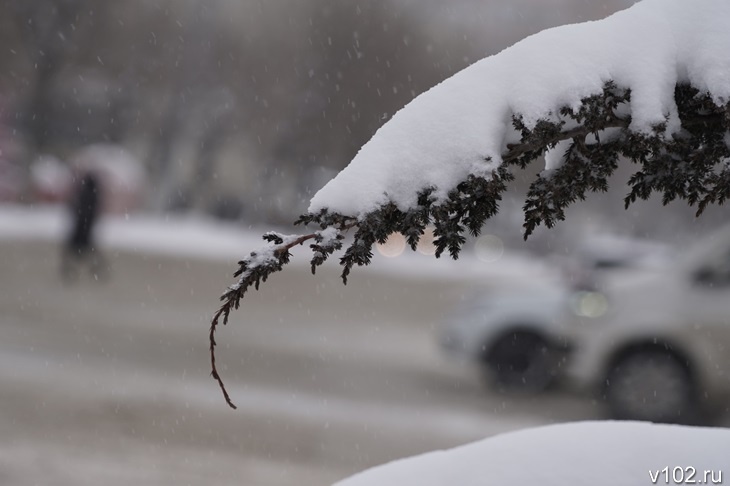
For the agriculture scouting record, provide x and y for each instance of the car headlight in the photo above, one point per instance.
(589, 304)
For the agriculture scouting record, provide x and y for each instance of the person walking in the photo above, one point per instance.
(79, 245)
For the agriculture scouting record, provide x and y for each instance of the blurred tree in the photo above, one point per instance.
(311, 82)
(49, 30)
(316, 94)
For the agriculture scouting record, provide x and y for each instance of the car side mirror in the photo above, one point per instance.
(711, 276)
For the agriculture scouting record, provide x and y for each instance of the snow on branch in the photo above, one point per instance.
(650, 84)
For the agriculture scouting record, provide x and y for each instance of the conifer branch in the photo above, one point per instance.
(516, 150)
(692, 165)
(258, 266)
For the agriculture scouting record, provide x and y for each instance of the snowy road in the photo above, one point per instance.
(108, 383)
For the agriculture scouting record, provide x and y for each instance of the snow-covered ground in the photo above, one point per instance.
(108, 383)
(200, 237)
(595, 453)
(329, 380)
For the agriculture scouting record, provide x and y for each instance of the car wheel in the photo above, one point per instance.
(653, 385)
(522, 362)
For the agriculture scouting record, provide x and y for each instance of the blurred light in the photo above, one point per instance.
(425, 244)
(393, 247)
(590, 304)
(489, 248)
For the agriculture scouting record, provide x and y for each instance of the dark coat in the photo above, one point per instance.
(85, 213)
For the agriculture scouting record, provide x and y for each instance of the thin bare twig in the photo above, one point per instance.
(214, 370)
(233, 297)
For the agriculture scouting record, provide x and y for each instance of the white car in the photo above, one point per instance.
(653, 342)
(514, 336)
(661, 349)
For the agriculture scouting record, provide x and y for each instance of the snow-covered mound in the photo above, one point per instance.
(448, 132)
(594, 453)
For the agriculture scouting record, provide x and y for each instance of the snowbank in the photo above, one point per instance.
(199, 237)
(594, 453)
(448, 132)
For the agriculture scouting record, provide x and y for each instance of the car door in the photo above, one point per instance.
(706, 311)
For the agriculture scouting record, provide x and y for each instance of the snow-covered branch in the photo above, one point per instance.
(650, 85)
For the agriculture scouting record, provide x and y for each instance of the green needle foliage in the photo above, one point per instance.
(691, 165)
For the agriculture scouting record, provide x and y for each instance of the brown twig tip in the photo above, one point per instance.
(257, 268)
(225, 309)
